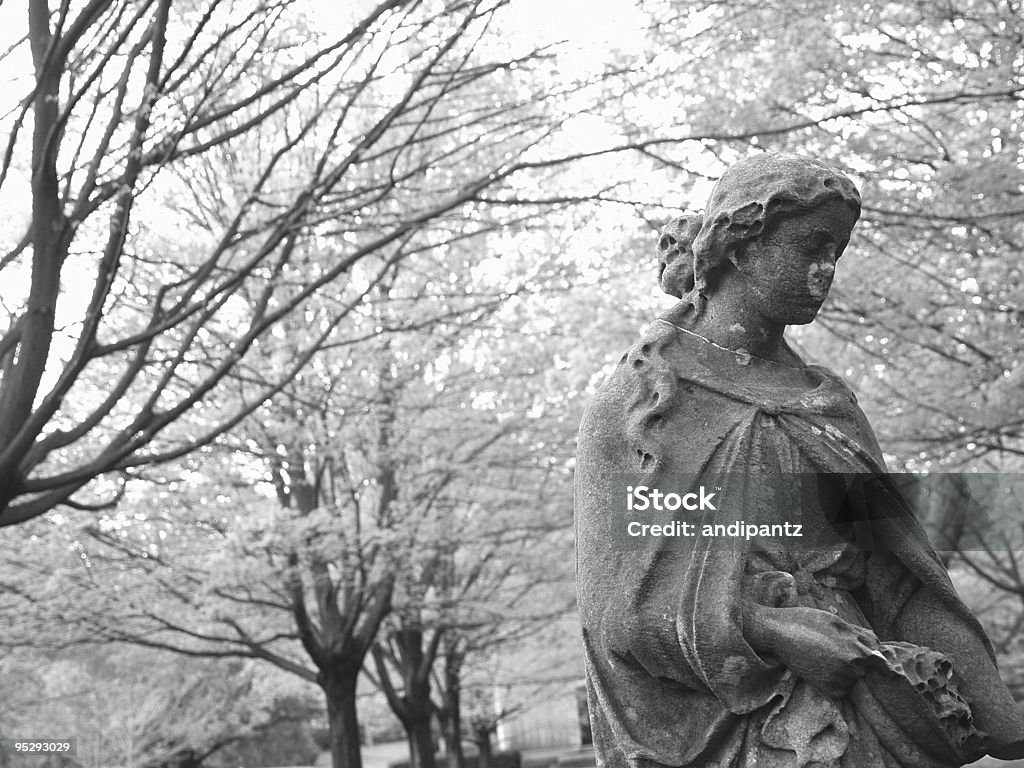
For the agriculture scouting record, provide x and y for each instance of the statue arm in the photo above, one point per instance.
(924, 620)
(815, 645)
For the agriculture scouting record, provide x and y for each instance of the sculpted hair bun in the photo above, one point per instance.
(675, 254)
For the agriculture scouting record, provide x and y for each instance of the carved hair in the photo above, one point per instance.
(675, 254)
(752, 194)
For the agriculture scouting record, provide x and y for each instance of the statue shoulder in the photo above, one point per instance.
(638, 391)
(645, 364)
(603, 421)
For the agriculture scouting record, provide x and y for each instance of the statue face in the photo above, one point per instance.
(788, 270)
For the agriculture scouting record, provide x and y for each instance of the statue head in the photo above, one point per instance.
(753, 196)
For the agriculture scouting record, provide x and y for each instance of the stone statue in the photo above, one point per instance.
(855, 655)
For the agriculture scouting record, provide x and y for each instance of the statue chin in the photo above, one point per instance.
(804, 320)
(803, 315)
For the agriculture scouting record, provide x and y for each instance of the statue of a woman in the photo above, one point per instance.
(710, 656)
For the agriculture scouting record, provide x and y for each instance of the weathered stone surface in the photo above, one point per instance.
(698, 654)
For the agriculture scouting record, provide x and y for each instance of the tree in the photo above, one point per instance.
(490, 582)
(287, 739)
(288, 544)
(132, 706)
(508, 680)
(205, 171)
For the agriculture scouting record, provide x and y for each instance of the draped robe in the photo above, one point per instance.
(672, 679)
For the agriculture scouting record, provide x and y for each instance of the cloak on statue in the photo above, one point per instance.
(672, 680)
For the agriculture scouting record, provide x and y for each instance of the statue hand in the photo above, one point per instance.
(822, 649)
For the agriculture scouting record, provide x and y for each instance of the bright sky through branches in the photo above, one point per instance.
(585, 33)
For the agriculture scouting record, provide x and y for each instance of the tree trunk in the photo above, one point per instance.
(342, 719)
(453, 711)
(483, 744)
(421, 741)
(413, 706)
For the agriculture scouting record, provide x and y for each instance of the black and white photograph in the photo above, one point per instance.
(511, 384)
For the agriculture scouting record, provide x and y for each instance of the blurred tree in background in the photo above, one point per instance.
(140, 707)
